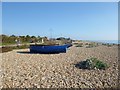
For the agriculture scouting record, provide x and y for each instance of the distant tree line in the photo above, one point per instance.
(62, 38)
(22, 39)
(12, 39)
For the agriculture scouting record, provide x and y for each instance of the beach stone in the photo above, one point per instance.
(58, 70)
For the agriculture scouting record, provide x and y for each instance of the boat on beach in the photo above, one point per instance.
(68, 45)
(49, 48)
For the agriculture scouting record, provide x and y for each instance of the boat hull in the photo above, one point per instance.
(68, 45)
(48, 49)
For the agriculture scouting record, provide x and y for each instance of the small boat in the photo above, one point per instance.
(49, 48)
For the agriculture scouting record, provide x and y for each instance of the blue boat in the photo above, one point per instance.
(68, 45)
(48, 48)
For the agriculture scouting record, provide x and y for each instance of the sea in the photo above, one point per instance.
(106, 41)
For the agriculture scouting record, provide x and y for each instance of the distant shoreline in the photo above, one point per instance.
(104, 41)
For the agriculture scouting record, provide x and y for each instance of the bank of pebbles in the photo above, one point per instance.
(21, 69)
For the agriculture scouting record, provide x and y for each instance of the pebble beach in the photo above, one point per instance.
(22, 69)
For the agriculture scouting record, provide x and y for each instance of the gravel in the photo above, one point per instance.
(21, 69)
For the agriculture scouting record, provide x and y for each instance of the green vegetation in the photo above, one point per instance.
(10, 40)
(7, 49)
(79, 45)
(86, 43)
(91, 45)
(109, 45)
(62, 38)
(96, 63)
(20, 47)
(92, 63)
